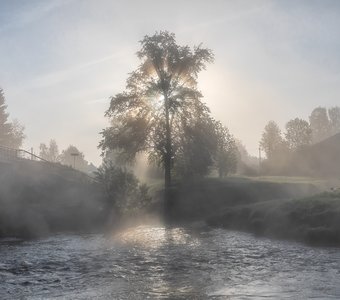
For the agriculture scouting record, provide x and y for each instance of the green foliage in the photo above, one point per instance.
(246, 164)
(123, 190)
(211, 196)
(17, 135)
(206, 145)
(298, 133)
(11, 133)
(324, 123)
(272, 142)
(334, 119)
(226, 153)
(5, 126)
(197, 148)
(294, 153)
(74, 158)
(51, 152)
(320, 124)
(160, 99)
(243, 154)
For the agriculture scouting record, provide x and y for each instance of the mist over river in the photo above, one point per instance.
(157, 262)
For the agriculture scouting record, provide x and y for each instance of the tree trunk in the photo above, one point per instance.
(167, 171)
(167, 160)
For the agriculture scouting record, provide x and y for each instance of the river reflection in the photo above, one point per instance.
(155, 237)
(153, 250)
(156, 262)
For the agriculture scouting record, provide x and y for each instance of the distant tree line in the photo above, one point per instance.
(324, 123)
(12, 136)
(298, 134)
(71, 156)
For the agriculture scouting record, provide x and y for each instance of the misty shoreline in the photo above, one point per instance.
(36, 202)
(37, 206)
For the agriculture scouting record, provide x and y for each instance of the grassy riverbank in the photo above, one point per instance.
(314, 219)
(202, 198)
(296, 208)
(36, 202)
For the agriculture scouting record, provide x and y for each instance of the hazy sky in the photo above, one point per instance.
(61, 60)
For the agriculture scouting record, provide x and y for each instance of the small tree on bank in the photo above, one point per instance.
(125, 194)
(161, 97)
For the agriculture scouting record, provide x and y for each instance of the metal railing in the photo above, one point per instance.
(11, 155)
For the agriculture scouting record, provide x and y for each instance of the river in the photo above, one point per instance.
(155, 262)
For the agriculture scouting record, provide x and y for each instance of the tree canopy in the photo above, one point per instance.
(334, 119)
(227, 152)
(51, 152)
(123, 190)
(298, 133)
(11, 133)
(320, 124)
(74, 158)
(271, 141)
(160, 101)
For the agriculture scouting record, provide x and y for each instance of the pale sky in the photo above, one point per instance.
(61, 60)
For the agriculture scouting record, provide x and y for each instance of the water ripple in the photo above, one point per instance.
(155, 262)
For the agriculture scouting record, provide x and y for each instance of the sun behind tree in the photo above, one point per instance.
(161, 97)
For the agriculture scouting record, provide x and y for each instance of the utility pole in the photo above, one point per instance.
(260, 160)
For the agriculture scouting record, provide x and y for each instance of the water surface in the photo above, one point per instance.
(154, 262)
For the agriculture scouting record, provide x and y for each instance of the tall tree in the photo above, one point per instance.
(51, 152)
(320, 124)
(17, 134)
(54, 151)
(160, 97)
(246, 163)
(298, 133)
(271, 141)
(243, 154)
(74, 158)
(5, 126)
(43, 151)
(11, 133)
(334, 119)
(227, 153)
